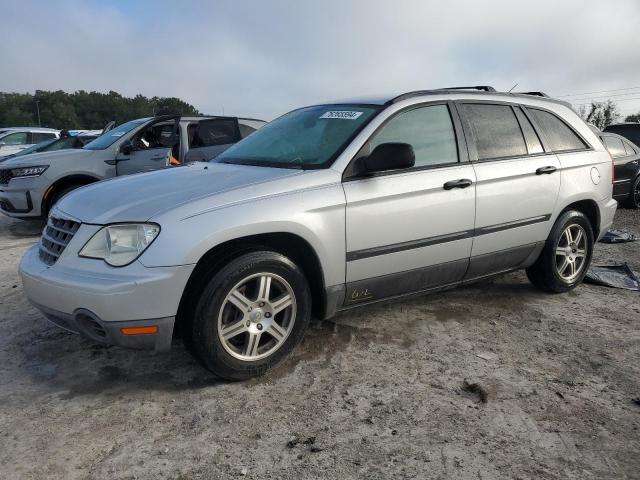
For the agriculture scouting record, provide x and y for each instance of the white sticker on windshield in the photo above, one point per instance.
(343, 114)
(117, 134)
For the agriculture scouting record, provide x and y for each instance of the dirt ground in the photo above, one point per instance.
(378, 393)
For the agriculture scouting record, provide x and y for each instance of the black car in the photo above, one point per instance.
(626, 159)
(630, 131)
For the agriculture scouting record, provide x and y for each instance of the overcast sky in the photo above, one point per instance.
(262, 58)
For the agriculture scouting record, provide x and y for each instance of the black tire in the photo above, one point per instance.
(543, 274)
(633, 200)
(205, 339)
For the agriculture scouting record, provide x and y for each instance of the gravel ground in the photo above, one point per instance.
(491, 381)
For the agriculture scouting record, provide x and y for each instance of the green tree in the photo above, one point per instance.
(82, 109)
(600, 114)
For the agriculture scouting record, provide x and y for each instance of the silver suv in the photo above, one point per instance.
(30, 185)
(325, 209)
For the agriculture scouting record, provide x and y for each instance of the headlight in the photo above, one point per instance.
(119, 245)
(28, 171)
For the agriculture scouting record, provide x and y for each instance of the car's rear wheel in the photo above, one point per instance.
(251, 315)
(566, 255)
(633, 200)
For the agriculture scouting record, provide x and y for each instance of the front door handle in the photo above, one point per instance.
(461, 183)
(546, 170)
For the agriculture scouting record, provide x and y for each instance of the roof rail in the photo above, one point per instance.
(535, 94)
(481, 88)
(484, 88)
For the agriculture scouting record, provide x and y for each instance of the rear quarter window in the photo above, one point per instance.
(559, 136)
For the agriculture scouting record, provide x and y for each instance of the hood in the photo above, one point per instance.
(139, 197)
(44, 158)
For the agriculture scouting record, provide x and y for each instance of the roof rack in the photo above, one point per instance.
(481, 88)
(535, 94)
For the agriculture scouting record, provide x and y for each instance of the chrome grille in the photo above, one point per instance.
(56, 236)
(5, 176)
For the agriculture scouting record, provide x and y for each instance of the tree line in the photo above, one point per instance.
(603, 114)
(81, 109)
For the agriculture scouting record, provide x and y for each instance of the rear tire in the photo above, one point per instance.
(633, 200)
(565, 258)
(251, 315)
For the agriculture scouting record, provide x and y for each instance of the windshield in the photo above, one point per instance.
(308, 138)
(35, 148)
(109, 138)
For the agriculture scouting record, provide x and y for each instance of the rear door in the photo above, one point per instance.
(407, 230)
(517, 186)
(209, 138)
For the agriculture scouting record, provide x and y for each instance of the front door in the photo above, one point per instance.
(517, 186)
(411, 230)
(151, 149)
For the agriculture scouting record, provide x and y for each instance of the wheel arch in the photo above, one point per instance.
(62, 183)
(590, 209)
(288, 244)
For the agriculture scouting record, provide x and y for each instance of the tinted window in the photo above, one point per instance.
(632, 132)
(530, 136)
(209, 133)
(428, 130)
(629, 149)
(19, 138)
(615, 146)
(557, 133)
(38, 137)
(495, 130)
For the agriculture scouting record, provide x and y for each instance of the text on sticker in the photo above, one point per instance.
(343, 114)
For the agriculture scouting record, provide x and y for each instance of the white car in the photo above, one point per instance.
(12, 140)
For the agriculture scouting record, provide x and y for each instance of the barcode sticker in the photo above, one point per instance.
(342, 114)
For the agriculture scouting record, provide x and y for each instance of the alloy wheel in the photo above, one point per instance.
(257, 316)
(571, 253)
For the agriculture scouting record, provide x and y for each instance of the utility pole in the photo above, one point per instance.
(38, 109)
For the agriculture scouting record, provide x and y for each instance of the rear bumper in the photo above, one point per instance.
(607, 212)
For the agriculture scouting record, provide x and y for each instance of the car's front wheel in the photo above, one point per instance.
(565, 258)
(251, 315)
(633, 201)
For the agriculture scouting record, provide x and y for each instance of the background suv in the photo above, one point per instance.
(325, 209)
(31, 185)
(626, 158)
(12, 140)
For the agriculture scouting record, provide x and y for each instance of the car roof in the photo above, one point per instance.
(479, 91)
(623, 124)
(28, 129)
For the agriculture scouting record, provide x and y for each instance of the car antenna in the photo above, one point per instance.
(512, 88)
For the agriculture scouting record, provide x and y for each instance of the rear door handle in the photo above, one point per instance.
(546, 170)
(461, 183)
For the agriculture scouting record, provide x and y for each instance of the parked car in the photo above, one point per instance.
(13, 140)
(325, 209)
(31, 185)
(626, 158)
(629, 130)
(77, 141)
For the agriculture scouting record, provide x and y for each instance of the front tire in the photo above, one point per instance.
(565, 258)
(633, 200)
(251, 315)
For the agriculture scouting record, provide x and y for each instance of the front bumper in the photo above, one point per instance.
(17, 203)
(98, 301)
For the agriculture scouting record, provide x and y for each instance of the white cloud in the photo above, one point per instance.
(263, 58)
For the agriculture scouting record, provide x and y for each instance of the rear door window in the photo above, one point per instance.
(559, 135)
(209, 133)
(18, 138)
(38, 137)
(495, 129)
(615, 146)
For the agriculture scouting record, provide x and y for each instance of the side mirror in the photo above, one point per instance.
(390, 156)
(126, 148)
